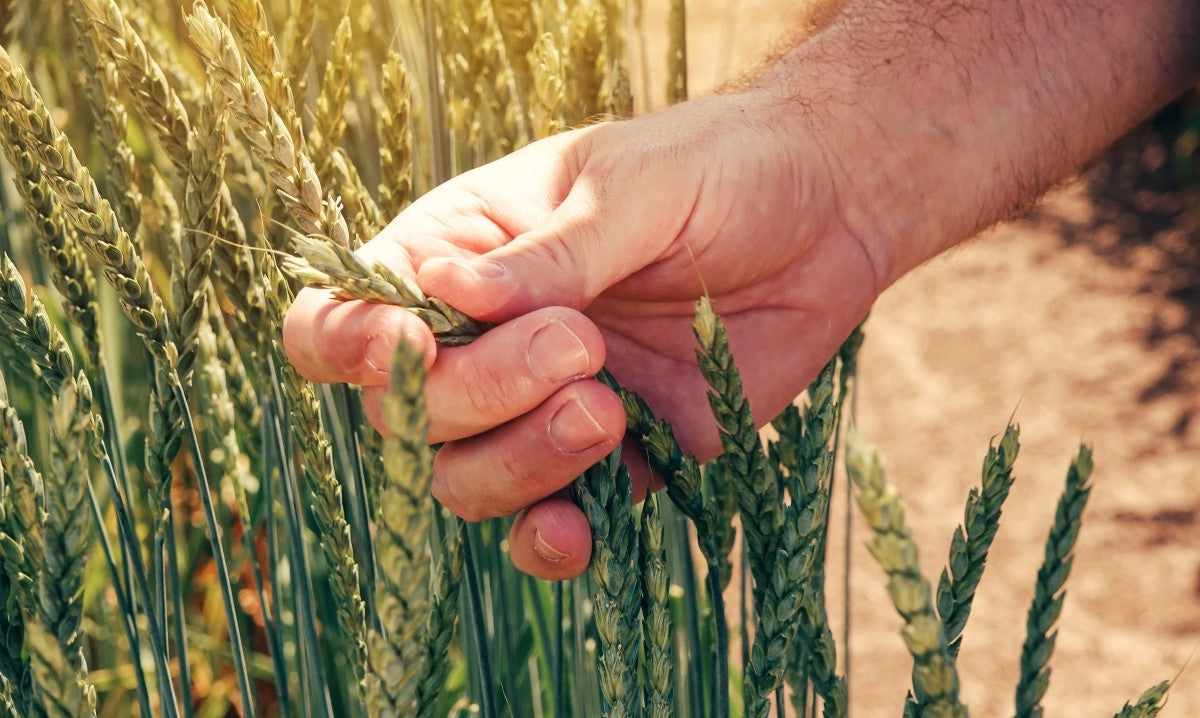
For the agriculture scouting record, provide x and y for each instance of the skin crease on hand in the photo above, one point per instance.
(792, 202)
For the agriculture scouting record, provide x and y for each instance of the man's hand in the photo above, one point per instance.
(590, 249)
(898, 131)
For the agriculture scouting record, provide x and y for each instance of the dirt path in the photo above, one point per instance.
(1083, 319)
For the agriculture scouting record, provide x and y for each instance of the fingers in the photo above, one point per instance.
(551, 540)
(516, 465)
(509, 371)
(329, 340)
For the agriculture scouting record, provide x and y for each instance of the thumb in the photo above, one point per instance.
(578, 251)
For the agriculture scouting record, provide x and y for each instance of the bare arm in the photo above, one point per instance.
(946, 116)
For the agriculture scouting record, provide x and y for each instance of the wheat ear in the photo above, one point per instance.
(759, 499)
(657, 664)
(59, 693)
(806, 451)
(330, 123)
(68, 521)
(402, 519)
(291, 171)
(110, 119)
(934, 676)
(248, 18)
(604, 492)
(22, 504)
(393, 113)
(1048, 593)
(365, 217)
(443, 615)
(1148, 704)
(103, 238)
(972, 539)
(69, 269)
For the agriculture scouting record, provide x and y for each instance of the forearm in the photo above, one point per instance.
(943, 117)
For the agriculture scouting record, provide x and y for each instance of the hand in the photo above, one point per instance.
(590, 249)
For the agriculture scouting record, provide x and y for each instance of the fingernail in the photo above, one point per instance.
(573, 429)
(545, 550)
(378, 354)
(556, 354)
(477, 269)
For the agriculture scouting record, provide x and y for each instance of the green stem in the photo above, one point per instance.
(127, 622)
(218, 551)
(483, 661)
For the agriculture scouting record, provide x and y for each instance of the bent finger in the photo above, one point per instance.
(518, 464)
(551, 540)
(333, 340)
(509, 371)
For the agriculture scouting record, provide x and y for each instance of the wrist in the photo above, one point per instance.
(940, 118)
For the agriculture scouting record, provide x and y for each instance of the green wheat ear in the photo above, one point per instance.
(403, 513)
(1048, 593)
(972, 539)
(934, 675)
(759, 499)
(605, 493)
(1148, 704)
